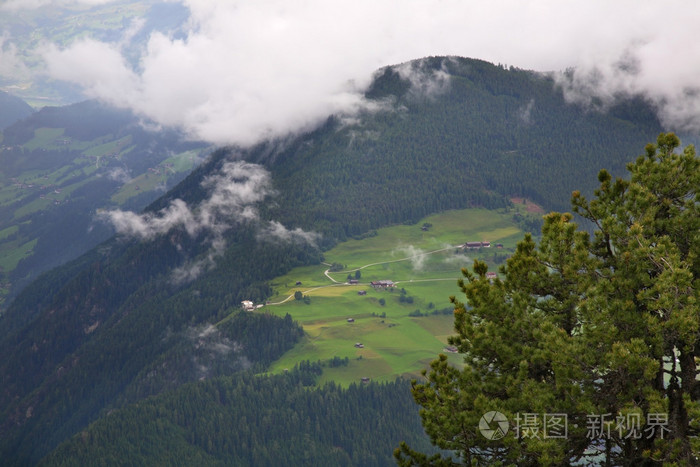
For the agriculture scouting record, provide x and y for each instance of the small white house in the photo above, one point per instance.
(247, 305)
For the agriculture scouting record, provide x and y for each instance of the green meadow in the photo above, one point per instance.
(182, 162)
(401, 329)
(44, 137)
(11, 256)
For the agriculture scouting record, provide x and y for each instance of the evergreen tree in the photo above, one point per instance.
(587, 350)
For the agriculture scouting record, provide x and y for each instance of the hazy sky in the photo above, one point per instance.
(244, 70)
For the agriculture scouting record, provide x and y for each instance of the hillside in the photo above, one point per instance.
(59, 166)
(449, 134)
(395, 331)
(12, 109)
(474, 139)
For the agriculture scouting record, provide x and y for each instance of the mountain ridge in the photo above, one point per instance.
(12, 109)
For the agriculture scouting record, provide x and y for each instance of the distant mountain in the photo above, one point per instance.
(60, 165)
(106, 330)
(12, 109)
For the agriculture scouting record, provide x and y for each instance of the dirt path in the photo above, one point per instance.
(395, 260)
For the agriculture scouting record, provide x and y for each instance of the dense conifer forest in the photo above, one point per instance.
(250, 420)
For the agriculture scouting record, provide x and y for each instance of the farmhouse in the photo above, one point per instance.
(247, 305)
(476, 245)
(353, 281)
(383, 284)
(362, 292)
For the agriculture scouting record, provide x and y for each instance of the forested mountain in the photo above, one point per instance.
(12, 109)
(473, 139)
(116, 324)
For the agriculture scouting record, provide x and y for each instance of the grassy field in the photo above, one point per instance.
(110, 147)
(182, 162)
(11, 256)
(44, 137)
(401, 329)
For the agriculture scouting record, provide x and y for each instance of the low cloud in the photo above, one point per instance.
(149, 225)
(276, 230)
(212, 353)
(426, 83)
(119, 174)
(11, 65)
(525, 112)
(233, 194)
(415, 255)
(192, 270)
(241, 72)
(209, 337)
(675, 97)
(459, 259)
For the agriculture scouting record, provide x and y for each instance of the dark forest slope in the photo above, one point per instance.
(253, 421)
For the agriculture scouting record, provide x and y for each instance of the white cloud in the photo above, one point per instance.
(233, 193)
(11, 65)
(413, 254)
(243, 71)
(664, 68)
(98, 67)
(459, 259)
(424, 83)
(190, 271)
(119, 174)
(525, 112)
(149, 225)
(275, 230)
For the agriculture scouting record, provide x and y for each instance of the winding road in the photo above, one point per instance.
(336, 283)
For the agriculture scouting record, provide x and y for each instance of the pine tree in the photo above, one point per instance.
(586, 350)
